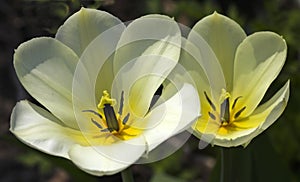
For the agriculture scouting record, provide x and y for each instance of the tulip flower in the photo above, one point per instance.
(96, 81)
(233, 72)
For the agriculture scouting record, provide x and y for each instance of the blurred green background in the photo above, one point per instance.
(273, 156)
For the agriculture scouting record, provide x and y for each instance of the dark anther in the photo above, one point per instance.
(156, 96)
(96, 123)
(126, 118)
(121, 103)
(111, 119)
(212, 116)
(105, 130)
(235, 101)
(94, 112)
(210, 102)
(225, 110)
(237, 114)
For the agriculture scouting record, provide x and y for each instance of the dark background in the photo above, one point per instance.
(275, 154)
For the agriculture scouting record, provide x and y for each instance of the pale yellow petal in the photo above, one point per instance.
(258, 61)
(194, 69)
(241, 132)
(200, 58)
(223, 35)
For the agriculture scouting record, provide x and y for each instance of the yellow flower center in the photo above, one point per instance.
(227, 113)
(112, 125)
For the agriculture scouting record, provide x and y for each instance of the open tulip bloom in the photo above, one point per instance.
(232, 73)
(97, 81)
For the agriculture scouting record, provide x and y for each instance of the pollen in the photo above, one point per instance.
(105, 99)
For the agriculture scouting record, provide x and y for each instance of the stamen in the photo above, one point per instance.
(126, 119)
(156, 96)
(225, 115)
(105, 130)
(111, 119)
(212, 116)
(105, 99)
(235, 101)
(210, 102)
(96, 123)
(121, 103)
(108, 114)
(94, 112)
(237, 114)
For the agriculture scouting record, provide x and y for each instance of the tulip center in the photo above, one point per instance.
(110, 122)
(227, 112)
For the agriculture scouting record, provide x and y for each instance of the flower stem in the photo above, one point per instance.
(127, 175)
(227, 173)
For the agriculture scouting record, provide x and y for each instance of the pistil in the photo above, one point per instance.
(113, 124)
(110, 117)
(226, 115)
(106, 113)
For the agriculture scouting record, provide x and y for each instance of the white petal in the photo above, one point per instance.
(172, 117)
(45, 67)
(39, 129)
(202, 72)
(141, 35)
(93, 35)
(94, 73)
(145, 56)
(83, 27)
(108, 159)
(139, 80)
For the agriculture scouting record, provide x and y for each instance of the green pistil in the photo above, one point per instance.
(225, 115)
(110, 117)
